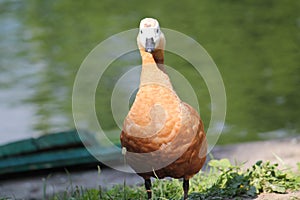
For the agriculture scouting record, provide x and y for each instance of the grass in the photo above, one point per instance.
(221, 180)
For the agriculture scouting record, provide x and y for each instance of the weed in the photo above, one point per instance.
(222, 180)
(266, 177)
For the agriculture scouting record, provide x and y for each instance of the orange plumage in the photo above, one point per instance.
(163, 136)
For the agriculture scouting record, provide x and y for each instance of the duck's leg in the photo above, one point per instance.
(148, 188)
(185, 188)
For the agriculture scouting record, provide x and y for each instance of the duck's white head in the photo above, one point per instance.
(150, 36)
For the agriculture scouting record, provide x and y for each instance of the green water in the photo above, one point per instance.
(255, 44)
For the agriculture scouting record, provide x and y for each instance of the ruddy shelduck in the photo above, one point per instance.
(162, 136)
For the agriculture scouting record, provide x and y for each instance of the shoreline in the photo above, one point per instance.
(285, 152)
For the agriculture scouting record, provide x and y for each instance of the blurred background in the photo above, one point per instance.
(254, 43)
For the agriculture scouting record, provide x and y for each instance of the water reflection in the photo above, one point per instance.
(254, 44)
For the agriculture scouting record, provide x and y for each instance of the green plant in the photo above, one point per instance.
(266, 177)
(221, 180)
(228, 181)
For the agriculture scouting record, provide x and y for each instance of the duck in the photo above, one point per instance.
(162, 136)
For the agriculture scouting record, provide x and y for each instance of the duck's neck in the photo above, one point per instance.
(159, 59)
(153, 70)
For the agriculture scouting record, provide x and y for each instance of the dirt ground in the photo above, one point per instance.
(290, 196)
(36, 186)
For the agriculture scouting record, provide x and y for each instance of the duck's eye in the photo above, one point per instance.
(157, 30)
(141, 32)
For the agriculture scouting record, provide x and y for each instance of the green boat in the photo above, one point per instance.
(57, 150)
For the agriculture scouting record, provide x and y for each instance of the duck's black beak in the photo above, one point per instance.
(150, 45)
